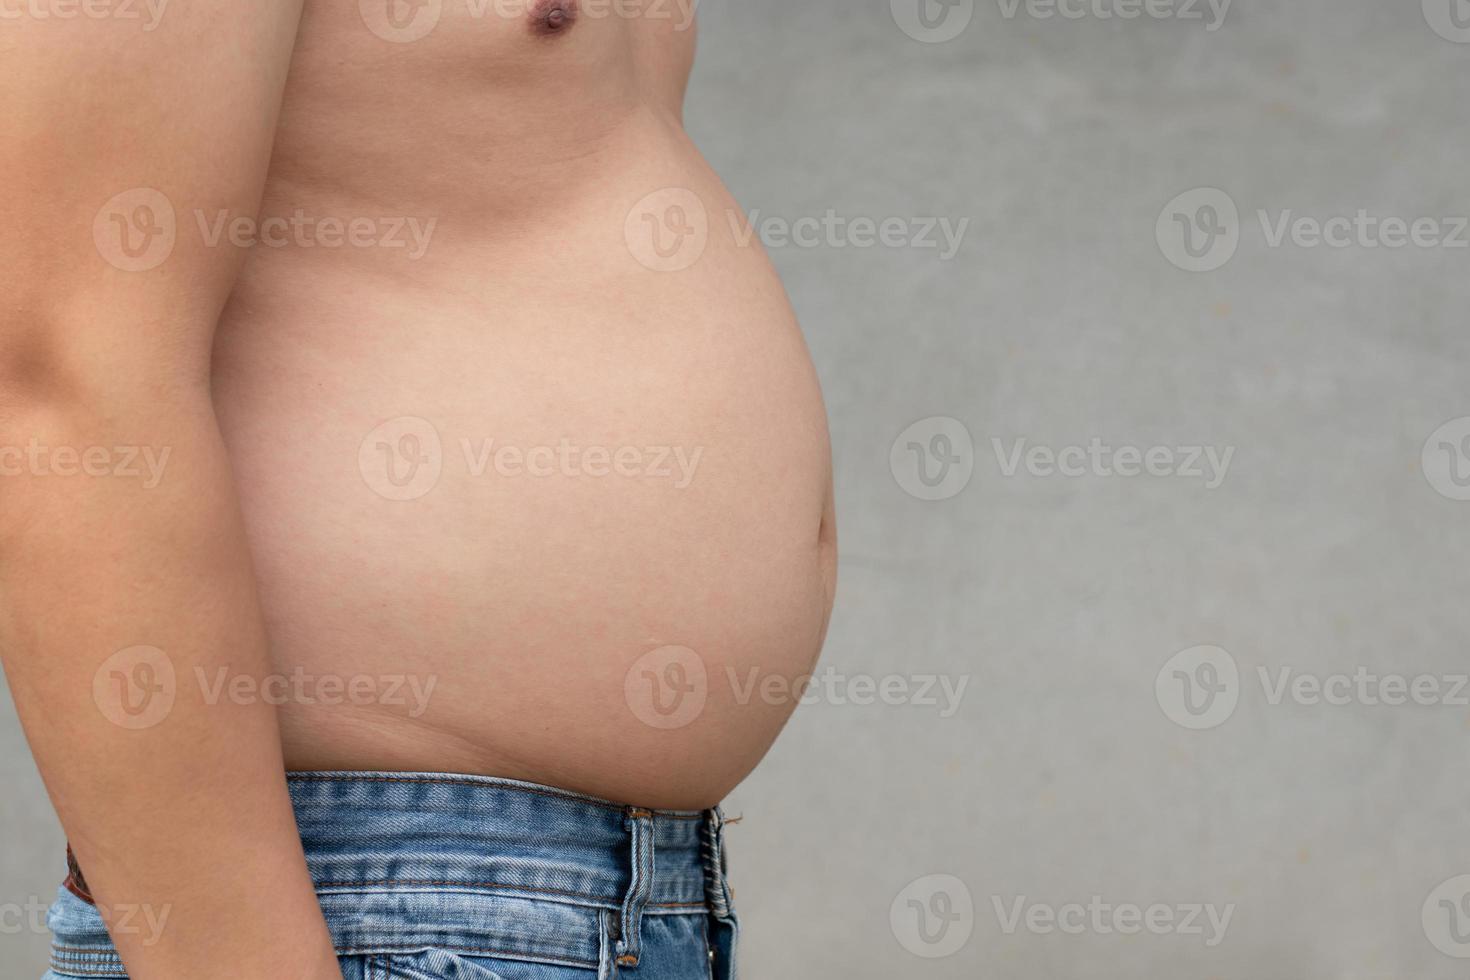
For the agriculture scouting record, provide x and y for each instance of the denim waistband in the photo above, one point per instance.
(412, 861)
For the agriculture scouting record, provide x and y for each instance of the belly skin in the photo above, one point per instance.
(546, 500)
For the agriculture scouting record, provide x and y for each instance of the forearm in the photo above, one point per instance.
(178, 811)
(111, 582)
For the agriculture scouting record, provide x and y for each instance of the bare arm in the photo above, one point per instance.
(180, 808)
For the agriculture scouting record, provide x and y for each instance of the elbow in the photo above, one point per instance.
(98, 366)
(33, 366)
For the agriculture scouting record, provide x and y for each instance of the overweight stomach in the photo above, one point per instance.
(550, 501)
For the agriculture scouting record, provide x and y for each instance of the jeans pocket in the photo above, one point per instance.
(440, 964)
(433, 964)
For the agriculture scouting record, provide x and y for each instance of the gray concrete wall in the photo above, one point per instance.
(1123, 738)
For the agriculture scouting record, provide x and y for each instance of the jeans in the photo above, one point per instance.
(432, 877)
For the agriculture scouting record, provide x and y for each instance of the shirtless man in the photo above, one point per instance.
(486, 468)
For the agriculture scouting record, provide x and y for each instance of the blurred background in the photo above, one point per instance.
(1142, 326)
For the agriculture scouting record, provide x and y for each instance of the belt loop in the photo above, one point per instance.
(725, 925)
(640, 826)
(716, 880)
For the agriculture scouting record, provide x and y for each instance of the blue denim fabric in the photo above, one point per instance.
(442, 877)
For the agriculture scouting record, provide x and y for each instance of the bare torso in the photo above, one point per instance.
(506, 435)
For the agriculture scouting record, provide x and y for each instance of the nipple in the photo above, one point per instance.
(552, 17)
